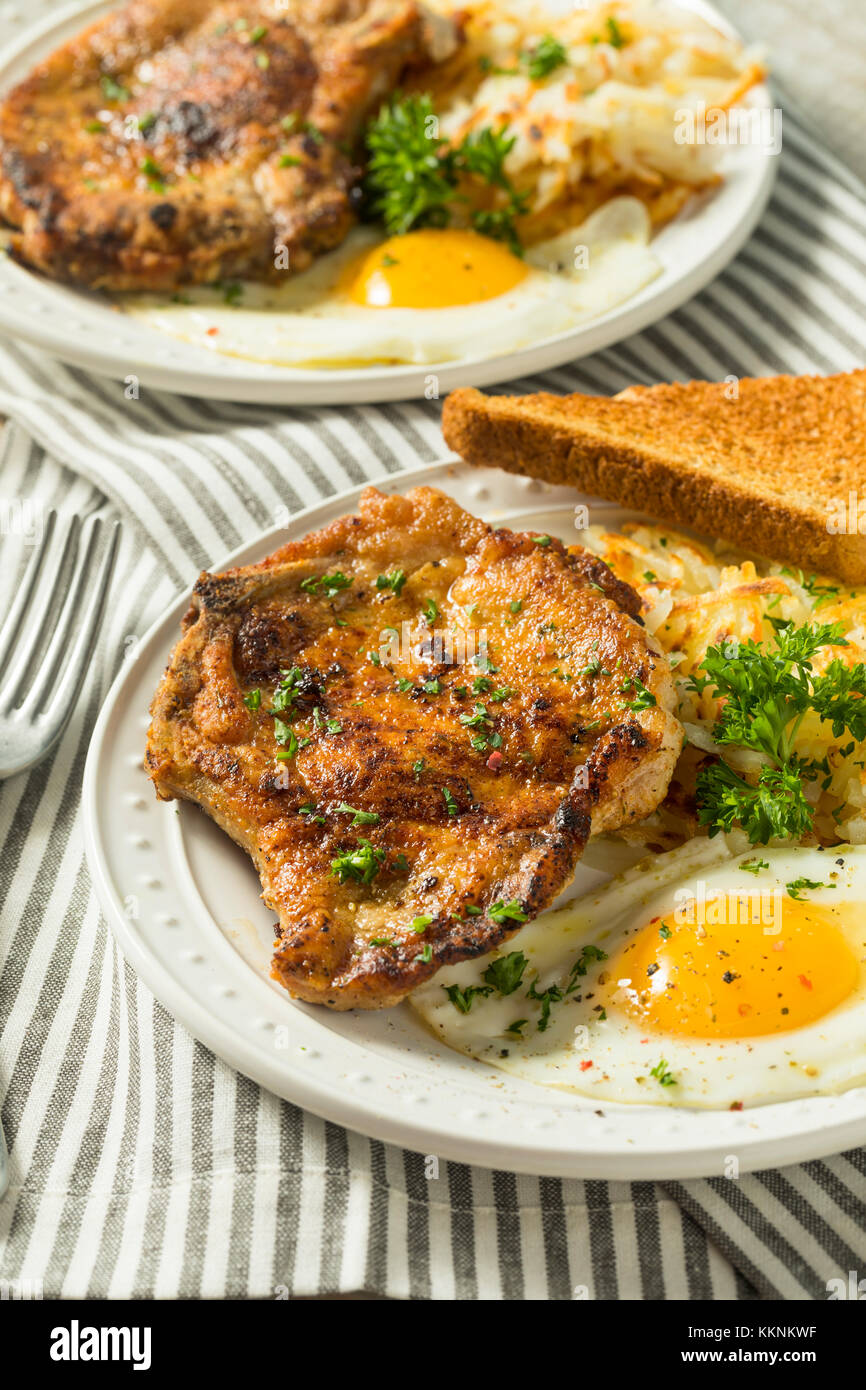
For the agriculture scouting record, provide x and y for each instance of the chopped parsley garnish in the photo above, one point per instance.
(497, 696)
(582, 964)
(515, 605)
(287, 691)
(381, 941)
(768, 690)
(403, 684)
(546, 998)
(257, 34)
(506, 973)
(821, 593)
(395, 581)
(286, 737)
(462, 998)
(360, 817)
(643, 698)
(450, 802)
(433, 687)
(544, 57)
(540, 540)
(253, 700)
(288, 161)
(665, 932)
(517, 1026)
(481, 684)
(430, 609)
(478, 719)
(153, 174)
(507, 912)
(418, 767)
(798, 886)
(662, 1073)
(361, 864)
(421, 923)
(615, 36)
(426, 953)
(111, 90)
(330, 584)
(753, 866)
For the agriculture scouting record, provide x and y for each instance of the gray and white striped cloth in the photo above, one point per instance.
(140, 1165)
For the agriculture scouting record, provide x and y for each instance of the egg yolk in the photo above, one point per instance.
(435, 269)
(734, 978)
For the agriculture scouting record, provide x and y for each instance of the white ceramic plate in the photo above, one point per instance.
(85, 330)
(184, 904)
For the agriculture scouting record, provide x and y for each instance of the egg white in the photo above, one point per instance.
(311, 321)
(826, 1056)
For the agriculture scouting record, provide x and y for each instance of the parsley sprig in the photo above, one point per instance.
(414, 175)
(768, 690)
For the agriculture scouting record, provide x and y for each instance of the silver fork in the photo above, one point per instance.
(46, 643)
(48, 638)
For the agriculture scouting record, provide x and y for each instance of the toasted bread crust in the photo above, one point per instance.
(770, 467)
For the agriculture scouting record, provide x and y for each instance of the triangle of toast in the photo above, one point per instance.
(775, 465)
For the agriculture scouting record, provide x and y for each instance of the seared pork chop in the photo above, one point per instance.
(181, 141)
(412, 722)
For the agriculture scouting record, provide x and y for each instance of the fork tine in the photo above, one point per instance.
(40, 619)
(75, 666)
(12, 622)
(53, 666)
(37, 621)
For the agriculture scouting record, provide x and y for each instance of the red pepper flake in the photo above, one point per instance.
(494, 762)
(212, 331)
(736, 1105)
(585, 1066)
(805, 981)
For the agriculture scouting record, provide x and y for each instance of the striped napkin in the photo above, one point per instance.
(141, 1166)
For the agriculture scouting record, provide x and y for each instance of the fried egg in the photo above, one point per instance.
(706, 977)
(433, 295)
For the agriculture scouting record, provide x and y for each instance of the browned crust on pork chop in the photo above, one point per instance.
(568, 702)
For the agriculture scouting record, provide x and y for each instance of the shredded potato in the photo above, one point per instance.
(695, 596)
(603, 122)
